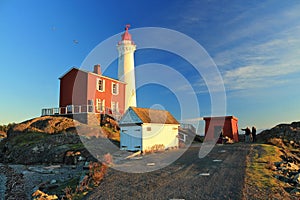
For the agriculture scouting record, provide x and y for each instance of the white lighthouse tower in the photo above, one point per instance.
(126, 48)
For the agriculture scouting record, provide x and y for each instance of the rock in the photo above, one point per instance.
(295, 191)
(273, 168)
(52, 167)
(297, 178)
(40, 170)
(204, 174)
(41, 195)
(290, 132)
(81, 158)
(279, 164)
(86, 166)
(37, 149)
(293, 167)
(2, 134)
(283, 178)
(150, 164)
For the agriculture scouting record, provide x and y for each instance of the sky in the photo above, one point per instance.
(255, 46)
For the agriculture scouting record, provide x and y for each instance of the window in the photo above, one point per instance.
(90, 102)
(114, 107)
(70, 108)
(100, 105)
(90, 107)
(101, 85)
(114, 88)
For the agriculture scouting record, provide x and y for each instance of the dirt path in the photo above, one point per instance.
(219, 175)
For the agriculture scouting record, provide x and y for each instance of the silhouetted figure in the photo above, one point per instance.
(247, 134)
(253, 134)
(220, 140)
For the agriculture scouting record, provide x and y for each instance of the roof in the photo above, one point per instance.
(154, 116)
(220, 118)
(126, 35)
(85, 71)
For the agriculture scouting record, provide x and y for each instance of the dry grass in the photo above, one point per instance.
(96, 174)
(276, 142)
(260, 181)
(155, 148)
(111, 133)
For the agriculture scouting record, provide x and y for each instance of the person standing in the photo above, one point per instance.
(247, 134)
(253, 134)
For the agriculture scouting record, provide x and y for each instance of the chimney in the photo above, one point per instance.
(97, 69)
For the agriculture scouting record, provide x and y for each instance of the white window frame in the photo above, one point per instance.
(114, 109)
(70, 108)
(112, 88)
(103, 84)
(90, 106)
(100, 105)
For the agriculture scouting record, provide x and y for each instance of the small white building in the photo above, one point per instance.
(143, 129)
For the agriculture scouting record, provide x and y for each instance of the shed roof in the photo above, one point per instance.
(220, 118)
(154, 116)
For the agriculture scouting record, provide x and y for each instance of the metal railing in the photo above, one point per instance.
(72, 109)
(189, 127)
(78, 109)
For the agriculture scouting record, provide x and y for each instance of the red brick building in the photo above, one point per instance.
(84, 94)
(91, 92)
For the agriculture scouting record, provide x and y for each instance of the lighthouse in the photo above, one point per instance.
(126, 49)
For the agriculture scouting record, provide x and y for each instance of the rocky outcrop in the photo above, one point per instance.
(287, 132)
(288, 171)
(46, 124)
(38, 148)
(287, 138)
(2, 134)
(46, 140)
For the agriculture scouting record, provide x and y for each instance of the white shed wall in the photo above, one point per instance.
(165, 134)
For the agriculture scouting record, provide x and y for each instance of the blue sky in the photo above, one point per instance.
(255, 45)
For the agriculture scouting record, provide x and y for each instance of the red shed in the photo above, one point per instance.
(228, 125)
(83, 92)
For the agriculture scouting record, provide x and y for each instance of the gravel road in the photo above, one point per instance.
(219, 175)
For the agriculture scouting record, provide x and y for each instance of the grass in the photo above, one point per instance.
(111, 133)
(72, 183)
(259, 171)
(259, 175)
(26, 139)
(76, 146)
(32, 138)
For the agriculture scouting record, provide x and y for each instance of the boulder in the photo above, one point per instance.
(292, 166)
(283, 178)
(295, 191)
(286, 132)
(2, 134)
(297, 178)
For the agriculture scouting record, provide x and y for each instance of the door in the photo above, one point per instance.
(131, 138)
(218, 133)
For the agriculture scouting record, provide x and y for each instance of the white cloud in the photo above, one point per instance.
(258, 47)
(264, 64)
